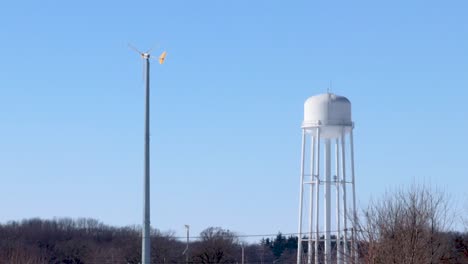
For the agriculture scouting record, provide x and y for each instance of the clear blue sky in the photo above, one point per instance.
(226, 107)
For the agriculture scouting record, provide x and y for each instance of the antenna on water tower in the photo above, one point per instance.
(327, 122)
(145, 234)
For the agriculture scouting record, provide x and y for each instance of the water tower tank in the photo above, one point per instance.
(330, 112)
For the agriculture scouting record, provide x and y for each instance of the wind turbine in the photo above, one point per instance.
(145, 234)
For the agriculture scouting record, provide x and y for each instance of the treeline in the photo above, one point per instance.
(83, 241)
(408, 226)
(37, 241)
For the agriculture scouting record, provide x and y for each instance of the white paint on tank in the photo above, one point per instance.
(330, 112)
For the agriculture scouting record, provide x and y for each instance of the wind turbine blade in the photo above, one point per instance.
(152, 48)
(133, 48)
(162, 57)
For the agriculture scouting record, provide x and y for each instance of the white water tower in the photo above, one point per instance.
(327, 173)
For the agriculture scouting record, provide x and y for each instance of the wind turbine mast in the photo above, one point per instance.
(145, 235)
(146, 230)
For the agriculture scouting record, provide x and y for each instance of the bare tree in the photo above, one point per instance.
(217, 245)
(406, 227)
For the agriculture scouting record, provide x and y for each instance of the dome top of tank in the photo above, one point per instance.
(330, 112)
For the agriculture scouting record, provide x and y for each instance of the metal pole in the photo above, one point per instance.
(311, 200)
(242, 245)
(345, 232)
(146, 246)
(301, 189)
(317, 189)
(263, 252)
(337, 185)
(327, 202)
(355, 252)
(187, 247)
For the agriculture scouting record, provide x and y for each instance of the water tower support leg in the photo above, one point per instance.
(301, 190)
(311, 200)
(317, 196)
(345, 213)
(355, 249)
(327, 202)
(337, 217)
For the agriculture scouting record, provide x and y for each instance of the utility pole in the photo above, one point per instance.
(242, 245)
(186, 251)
